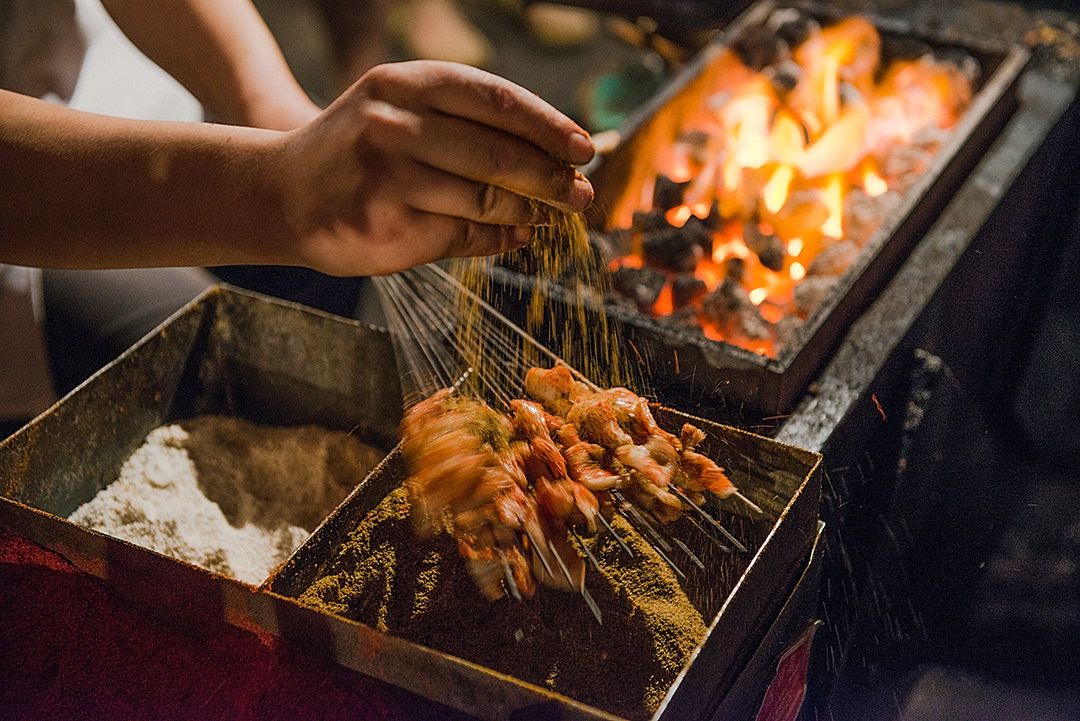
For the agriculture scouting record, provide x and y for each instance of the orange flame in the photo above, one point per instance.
(786, 161)
(834, 201)
(775, 193)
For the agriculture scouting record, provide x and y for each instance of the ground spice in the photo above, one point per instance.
(420, 590)
(231, 496)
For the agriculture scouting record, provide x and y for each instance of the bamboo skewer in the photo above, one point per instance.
(709, 519)
(420, 306)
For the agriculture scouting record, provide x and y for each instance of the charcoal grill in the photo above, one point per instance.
(720, 370)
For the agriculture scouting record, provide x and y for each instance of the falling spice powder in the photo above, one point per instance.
(420, 590)
(231, 496)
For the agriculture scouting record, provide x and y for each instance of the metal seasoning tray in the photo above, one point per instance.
(271, 362)
(229, 353)
(718, 369)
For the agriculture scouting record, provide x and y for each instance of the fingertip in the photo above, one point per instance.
(581, 192)
(522, 235)
(581, 148)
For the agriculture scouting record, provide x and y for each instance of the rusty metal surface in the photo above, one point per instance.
(748, 690)
(774, 385)
(738, 594)
(271, 362)
(227, 352)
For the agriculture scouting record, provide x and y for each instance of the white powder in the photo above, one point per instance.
(158, 501)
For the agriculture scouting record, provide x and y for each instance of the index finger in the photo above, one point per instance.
(476, 95)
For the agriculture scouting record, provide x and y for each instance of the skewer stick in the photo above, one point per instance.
(589, 601)
(659, 551)
(511, 584)
(693, 557)
(588, 553)
(543, 561)
(562, 564)
(716, 542)
(709, 519)
(592, 605)
(748, 502)
(581, 589)
(618, 539)
(644, 521)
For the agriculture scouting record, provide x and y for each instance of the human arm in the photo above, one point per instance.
(223, 53)
(417, 161)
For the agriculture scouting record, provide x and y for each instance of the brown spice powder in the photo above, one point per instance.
(420, 590)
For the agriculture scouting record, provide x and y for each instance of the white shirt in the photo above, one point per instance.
(41, 51)
(66, 51)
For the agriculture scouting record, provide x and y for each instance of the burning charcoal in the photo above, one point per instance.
(685, 318)
(697, 144)
(646, 221)
(903, 48)
(641, 285)
(784, 76)
(793, 27)
(811, 291)
(930, 138)
(905, 163)
(612, 244)
(686, 289)
(769, 248)
(834, 259)
(967, 65)
(760, 47)
(864, 214)
(667, 193)
(701, 232)
(714, 220)
(804, 211)
(730, 309)
(672, 249)
(734, 268)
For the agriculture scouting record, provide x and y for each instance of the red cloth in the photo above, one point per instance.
(70, 650)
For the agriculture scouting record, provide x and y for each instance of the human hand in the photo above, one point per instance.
(425, 160)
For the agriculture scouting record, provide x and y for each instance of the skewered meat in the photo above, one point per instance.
(555, 388)
(583, 461)
(702, 473)
(637, 458)
(568, 435)
(691, 435)
(568, 501)
(597, 422)
(512, 488)
(633, 411)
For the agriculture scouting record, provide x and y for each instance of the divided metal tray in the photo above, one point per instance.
(240, 354)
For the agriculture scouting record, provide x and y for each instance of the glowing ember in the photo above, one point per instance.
(874, 184)
(780, 176)
(679, 215)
